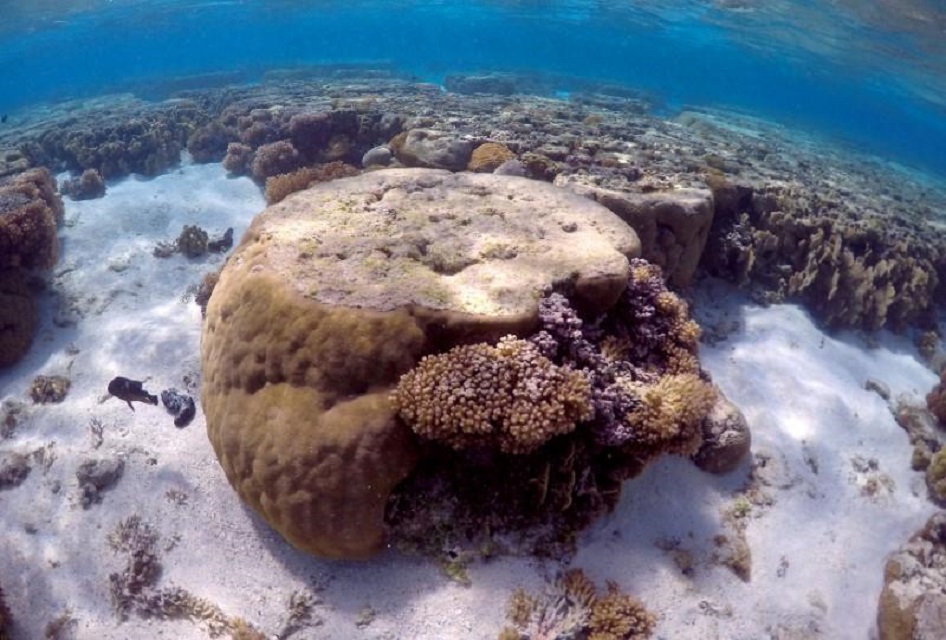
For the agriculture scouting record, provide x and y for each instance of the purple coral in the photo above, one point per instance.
(654, 324)
(647, 335)
(564, 339)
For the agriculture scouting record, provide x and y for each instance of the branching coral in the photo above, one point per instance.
(508, 397)
(641, 359)
(209, 143)
(640, 409)
(852, 266)
(668, 414)
(275, 158)
(193, 241)
(654, 324)
(280, 186)
(571, 608)
(619, 616)
(87, 186)
(238, 158)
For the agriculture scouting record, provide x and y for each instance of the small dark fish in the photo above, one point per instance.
(130, 390)
(3, 118)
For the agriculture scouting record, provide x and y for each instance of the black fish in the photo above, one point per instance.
(129, 390)
(3, 118)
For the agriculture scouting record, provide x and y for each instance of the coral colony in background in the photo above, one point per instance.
(453, 330)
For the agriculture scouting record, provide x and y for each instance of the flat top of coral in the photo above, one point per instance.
(478, 244)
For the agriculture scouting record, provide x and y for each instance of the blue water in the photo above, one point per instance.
(872, 73)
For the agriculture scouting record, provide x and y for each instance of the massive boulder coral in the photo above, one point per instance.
(337, 291)
(30, 210)
(912, 603)
(673, 225)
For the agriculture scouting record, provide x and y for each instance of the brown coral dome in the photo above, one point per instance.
(338, 290)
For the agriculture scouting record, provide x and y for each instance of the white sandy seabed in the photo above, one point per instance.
(836, 469)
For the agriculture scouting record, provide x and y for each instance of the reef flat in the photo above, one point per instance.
(116, 516)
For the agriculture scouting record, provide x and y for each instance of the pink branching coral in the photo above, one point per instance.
(508, 397)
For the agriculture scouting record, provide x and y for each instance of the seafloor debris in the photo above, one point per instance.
(221, 243)
(180, 405)
(12, 413)
(14, 468)
(194, 242)
(130, 391)
(134, 590)
(49, 389)
(96, 476)
(88, 186)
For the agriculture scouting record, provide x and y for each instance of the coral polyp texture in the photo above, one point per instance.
(508, 397)
(339, 290)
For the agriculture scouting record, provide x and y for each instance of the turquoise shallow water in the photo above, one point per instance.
(871, 72)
